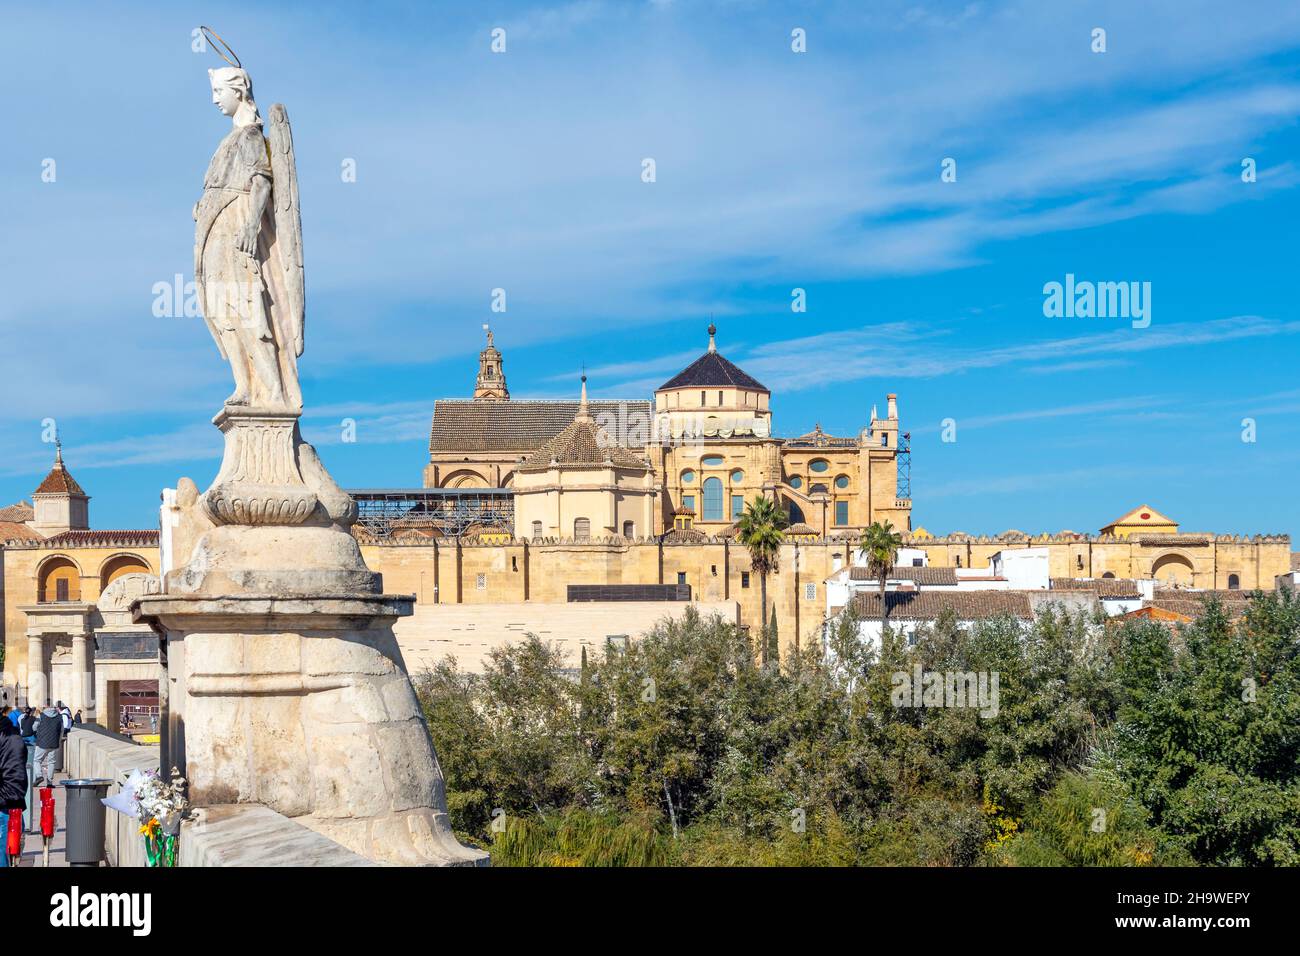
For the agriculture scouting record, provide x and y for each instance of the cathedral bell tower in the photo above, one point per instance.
(491, 383)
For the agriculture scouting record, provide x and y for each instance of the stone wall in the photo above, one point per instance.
(469, 633)
(247, 835)
(717, 570)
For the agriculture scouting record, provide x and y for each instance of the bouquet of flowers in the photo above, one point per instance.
(159, 805)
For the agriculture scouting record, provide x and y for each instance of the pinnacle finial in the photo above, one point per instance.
(583, 414)
(58, 452)
(713, 331)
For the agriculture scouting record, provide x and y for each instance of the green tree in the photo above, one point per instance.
(760, 531)
(1083, 821)
(1206, 734)
(879, 546)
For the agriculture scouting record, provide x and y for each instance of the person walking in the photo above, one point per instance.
(13, 778)
(27, 729)
(15, 714)
(49, 734)
(65, 714)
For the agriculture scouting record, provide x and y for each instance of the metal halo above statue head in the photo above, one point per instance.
(219, 44)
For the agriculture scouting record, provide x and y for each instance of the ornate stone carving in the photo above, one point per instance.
(288, 687)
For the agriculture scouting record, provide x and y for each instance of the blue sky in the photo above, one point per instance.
(775, 171)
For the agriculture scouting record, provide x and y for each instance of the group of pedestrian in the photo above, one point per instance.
(30, 738)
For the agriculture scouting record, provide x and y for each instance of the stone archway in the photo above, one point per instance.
(465, 479)
(1173, 569)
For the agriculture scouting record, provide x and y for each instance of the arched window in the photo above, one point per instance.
(817, 489)
(537, 529)
(122, 564)
(629, 529)
(1234, 583)
(1109, 574)
(581, 529)
(796, 513)
(59, 581)
(712, 499)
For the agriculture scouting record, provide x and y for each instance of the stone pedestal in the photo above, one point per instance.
(286, 687)
(303, 704)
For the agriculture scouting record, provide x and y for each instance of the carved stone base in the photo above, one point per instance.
(260, 482)
(276, 561)
(303, 704)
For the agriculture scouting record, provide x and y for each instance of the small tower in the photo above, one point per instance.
(59, 502)
(491, 383)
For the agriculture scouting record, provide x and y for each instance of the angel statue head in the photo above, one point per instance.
(232, 93)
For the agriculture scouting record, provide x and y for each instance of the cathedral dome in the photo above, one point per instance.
(711, 370)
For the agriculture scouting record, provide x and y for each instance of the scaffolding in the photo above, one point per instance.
(905, 467)
(441, 512)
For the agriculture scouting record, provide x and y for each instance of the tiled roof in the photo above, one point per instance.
(922, 576)
(711, 370)
(582, 443)
(1105, 587)
(21, 511)
(524, 426)
(799, 528)
(929, 605)
(1189, 540)
(1223, 594)
(17, 531)
(1192, 603)
(59, 482)
(131, 538)
(683, 536)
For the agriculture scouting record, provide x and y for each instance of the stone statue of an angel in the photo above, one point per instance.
(248, 250)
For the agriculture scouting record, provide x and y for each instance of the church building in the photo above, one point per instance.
(691, 457)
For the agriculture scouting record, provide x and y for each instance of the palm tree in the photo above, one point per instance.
(879, 546)
(759, 530)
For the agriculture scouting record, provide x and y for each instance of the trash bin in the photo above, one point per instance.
(84, 820)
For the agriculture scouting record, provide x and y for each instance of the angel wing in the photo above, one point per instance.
(288, 218)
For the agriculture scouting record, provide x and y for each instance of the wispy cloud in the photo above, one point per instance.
(901, 350)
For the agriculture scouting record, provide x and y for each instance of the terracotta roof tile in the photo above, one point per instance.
(582, 443)
(59, 482)
(20, 511)
(922, 576)
(1105, 587)
(17, 531)
(524, 426)
(929, 605)
(131, 538)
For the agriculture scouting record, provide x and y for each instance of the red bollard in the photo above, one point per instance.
(47, 823)
(47, 812)
(14, 836)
